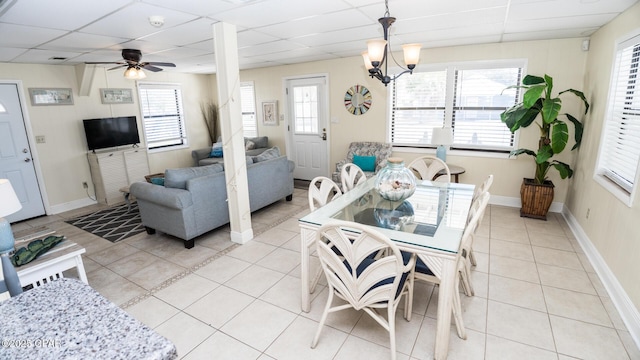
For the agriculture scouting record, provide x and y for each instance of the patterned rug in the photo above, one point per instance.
(114, 224)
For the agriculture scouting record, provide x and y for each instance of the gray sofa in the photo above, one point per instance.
(201, 157)
(194, 200)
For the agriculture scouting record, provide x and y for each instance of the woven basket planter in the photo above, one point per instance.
(536, 198)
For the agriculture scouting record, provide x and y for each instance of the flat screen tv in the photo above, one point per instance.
(111, 132)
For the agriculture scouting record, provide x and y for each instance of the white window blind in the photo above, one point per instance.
(162, 115)
(468, 99)
(620, 148)
(248, 104)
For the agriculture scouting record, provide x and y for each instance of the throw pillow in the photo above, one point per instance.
(216, 150)
(268, 154)
(157, 180)
(249, 145)
(177, 178)
(366, 163)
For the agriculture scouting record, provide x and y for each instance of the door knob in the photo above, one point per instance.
(324, 134)
(27, 160)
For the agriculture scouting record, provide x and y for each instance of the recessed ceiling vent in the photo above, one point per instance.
(58, 58)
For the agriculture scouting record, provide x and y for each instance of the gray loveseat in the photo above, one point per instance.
(201, 157)
(194, 200)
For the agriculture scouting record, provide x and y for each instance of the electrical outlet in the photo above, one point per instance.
(85, 185)
(40, 139)
(588, 211)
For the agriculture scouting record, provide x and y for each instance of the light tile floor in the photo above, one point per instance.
(537, 296)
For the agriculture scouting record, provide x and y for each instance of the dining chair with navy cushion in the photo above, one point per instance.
(367, 272)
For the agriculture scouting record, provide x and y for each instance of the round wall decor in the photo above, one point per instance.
(357, 99)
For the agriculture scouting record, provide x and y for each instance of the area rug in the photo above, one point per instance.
(113, 224)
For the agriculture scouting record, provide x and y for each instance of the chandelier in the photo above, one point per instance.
(378, 50)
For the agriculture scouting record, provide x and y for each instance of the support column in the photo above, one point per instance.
(235, 164)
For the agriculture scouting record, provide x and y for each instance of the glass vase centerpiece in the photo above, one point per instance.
(395, 182)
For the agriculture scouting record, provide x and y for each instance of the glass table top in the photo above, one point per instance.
(433, 217)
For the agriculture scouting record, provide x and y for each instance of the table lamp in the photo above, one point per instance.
(9, 204)
(441, 137)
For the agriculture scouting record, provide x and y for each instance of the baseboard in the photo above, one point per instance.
(76, 204)
(241, 237)
(628, 312)
(515, 202)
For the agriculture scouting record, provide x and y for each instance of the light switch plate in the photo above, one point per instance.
(40, 139)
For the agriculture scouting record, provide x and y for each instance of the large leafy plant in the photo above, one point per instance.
(554, 133)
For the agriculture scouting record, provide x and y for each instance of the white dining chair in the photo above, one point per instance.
(351, 175)
(484, 187)
(370, 274)
(321, 191)
(427, 167)
(423, 273)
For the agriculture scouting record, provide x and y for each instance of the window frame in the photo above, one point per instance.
(627, 197)
(451, 68)
(182, 120)
(255, 114)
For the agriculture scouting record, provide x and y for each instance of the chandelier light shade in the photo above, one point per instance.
(376, 56)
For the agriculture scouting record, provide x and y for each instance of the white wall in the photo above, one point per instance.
(612, 227)
(62, 157)
(562, 59)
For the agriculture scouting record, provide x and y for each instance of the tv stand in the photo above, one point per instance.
(113, 170)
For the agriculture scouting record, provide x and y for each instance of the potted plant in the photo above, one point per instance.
(540, 107)
(210, 116)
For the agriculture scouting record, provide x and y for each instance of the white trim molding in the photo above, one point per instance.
(627, 310)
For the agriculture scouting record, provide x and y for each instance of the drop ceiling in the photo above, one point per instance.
(277, 32)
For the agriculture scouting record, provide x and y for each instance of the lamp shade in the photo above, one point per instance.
(442, 136)
(9, 202)
(411, 53)
(367, 62)
(375, 48)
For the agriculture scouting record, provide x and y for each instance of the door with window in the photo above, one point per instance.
(307, 108)
(16, 161)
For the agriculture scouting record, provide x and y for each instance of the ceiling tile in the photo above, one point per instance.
(559, 23)
(80, 42)
(254, 15)
(317, 24)
(63, 15)
(26, 36)
(44, 56)
(187, 33)
(133, 21)
(8, 53)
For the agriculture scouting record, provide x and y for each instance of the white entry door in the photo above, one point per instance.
(307, 107)
(16, 161)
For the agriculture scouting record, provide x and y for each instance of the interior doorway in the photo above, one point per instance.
(307, 126)
(16, 156)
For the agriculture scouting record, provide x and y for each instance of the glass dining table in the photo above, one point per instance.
(430, 224)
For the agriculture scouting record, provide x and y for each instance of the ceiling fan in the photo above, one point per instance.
(131, 60)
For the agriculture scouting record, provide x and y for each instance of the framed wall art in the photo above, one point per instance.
(48, 96)
(116, 96)
(270, 112)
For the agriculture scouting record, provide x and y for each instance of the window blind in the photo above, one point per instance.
(620, 150)
(248, 105)
(162, 115)
(478, 102)
(468, 100)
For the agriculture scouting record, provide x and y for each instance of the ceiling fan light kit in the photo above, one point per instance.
(132, 61)
(378, 51)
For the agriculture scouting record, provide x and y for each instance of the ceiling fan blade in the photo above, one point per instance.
(103, 62)
(118, 67)
(151, 68)
(160, 64)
